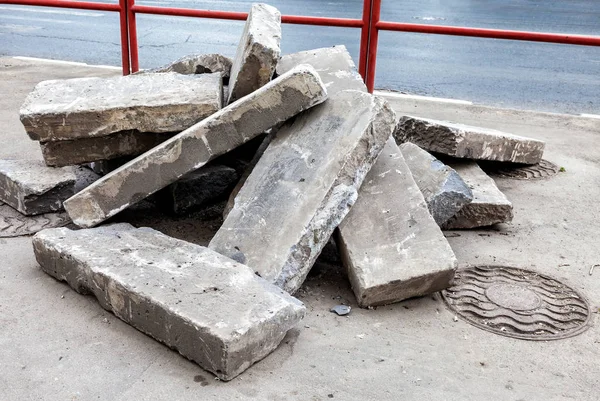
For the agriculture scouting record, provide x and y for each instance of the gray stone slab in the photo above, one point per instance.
(282, 98)
(489, 206)
(198, 64)
(389, 242)
(303, 186)
(197, 189)
(444, 191)
(86, 150)
(33, 188)
(93, 107)
(207, 307)
(257, 52)
(334, 65)
(468, 142)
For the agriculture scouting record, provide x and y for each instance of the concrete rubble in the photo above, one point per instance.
(257, 53)
(303, 186)
(444, 190)
(288, 95)
(391, 245)
(198, 64)
(465, 141)
(205, 306)
(489, 205)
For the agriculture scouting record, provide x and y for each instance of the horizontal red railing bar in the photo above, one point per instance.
(82, 5)
(240, 16)
(491, 33)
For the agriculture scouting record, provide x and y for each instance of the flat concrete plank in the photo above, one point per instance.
(225, 130)
(303, 186)
(93, 107)
(392, 247)
(489, 206)
(444, 191)
(257, 53)
(113, 146)
(466, 141)
(207, 307)
(33, 188)
(197, 64)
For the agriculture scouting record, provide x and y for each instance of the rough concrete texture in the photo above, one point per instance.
(391, 245)
(284, 97)
(32, 188)
(444, 191)
(465, 141)
(207, 307)
(257, 52)
(198, 64)
(303, 186)
(86, 150)
(489, 205)
(94, 107)
(197, 189)
(334, 65)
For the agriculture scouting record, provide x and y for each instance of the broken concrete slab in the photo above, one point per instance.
(334, 65)
(94, 107)
(465, 141)
(303, 186)
(207, 307)
(389, 242)
(86, 150)
(198, 64)
(257, 52)
(282, 98)
(33, 188)
(444, 191)
(489, 206)
(197, 189)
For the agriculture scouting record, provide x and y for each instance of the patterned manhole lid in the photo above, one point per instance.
(517, 303)
(543, 169)
(14, 224)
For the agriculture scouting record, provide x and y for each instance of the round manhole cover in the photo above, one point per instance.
(543, 169)
(517, 303)
(14, 224)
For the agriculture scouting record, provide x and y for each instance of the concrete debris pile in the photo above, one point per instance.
(329, 164)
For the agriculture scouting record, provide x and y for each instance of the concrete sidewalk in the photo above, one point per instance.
(58, 345)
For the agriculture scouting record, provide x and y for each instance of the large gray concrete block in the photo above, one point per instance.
(303, 186)
(282, 98)
(391, 245)
(489, 206)
(93, 107)
(207, 307)
(87, 150)
(334, 65)
(468, 142)
(257, 52)
(444, 191)
(33, 188)
(198, 64)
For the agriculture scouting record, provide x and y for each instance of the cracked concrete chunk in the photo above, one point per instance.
(389, 242)
(210, 309)
(489, 205)
(33, 188)
(257, 52)
(198, 64)
(303, 186)
(468, 142)
(94, 107)
(86, 150)
(282, 98)
(444, 191)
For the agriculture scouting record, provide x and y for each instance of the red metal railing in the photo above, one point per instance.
(370, 25)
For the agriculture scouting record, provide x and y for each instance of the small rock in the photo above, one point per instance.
(341, 310)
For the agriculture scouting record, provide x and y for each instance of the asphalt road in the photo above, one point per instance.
(523, 75)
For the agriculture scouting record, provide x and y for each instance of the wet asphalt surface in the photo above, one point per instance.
(538, 76)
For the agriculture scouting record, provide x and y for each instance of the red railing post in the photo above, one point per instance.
(364, 38)
(124, 37)
(133, 43)
(372, 49)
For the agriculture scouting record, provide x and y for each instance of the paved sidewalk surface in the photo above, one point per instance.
(58, 345)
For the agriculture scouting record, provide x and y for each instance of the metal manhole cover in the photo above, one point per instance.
(517, 303)
(543, 169)
(14, 224)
